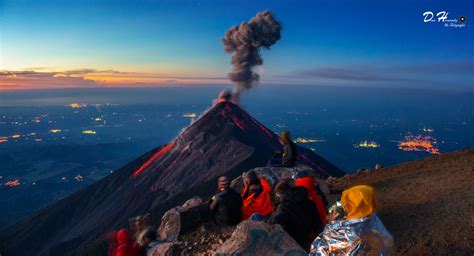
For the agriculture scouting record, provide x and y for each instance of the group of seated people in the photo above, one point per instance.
(299, 207)
(297, 204)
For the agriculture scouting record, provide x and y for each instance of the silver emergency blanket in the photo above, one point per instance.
(363, 236)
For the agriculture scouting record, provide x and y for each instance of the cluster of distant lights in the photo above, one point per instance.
(419, 143)
(18, 182)
(367, 144)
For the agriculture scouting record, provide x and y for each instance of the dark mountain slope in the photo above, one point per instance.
(225, 140)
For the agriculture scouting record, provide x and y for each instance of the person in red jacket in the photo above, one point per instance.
(308, 182)
(125, 245)
(256, 196)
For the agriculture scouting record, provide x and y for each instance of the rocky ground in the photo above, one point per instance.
(427, 205)
(206, 239)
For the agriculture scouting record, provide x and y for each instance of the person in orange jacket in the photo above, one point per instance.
(125, 245)
(308, 182)
(256, 196)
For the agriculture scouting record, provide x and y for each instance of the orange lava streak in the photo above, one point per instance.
(154, 157)
(239, 123)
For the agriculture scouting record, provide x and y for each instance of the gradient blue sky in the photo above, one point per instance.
(61, 44)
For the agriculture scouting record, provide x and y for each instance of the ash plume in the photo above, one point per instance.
(244, 42)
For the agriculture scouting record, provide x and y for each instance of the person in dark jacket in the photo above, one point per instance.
(296, 213)
(287, 158)
(226, 204)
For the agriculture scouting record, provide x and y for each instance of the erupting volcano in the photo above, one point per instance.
(225, 141)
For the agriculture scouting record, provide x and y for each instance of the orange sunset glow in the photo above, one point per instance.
(89, 78)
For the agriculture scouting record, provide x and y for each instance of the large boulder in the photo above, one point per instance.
(259, 238)
(184, 218)
(164, 249)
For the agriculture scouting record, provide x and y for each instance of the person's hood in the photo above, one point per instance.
(123, 237)
(298, 194)
(307, 182)
(358, 202)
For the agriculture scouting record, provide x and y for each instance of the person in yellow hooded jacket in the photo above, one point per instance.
(353, 227)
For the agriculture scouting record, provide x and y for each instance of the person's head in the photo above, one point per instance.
(282, 190)
(123, 237)
(250, 178)
(222, 183)
(147, 236)
(358, 202)
(284, 137)
(141, 222)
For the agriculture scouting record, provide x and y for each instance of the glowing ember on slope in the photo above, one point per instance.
(153, 158)
(305, 140)
(239, 123)
(55, 130)
(16, 136)
(419, 143)
(88, 132)
(13, 183)
(3, 141)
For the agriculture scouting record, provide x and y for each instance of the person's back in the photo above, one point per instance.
(308, 182)
(228, 207)
(289, 154)
(298, 216)
(125, 245)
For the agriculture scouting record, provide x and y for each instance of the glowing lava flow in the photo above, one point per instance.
(232, 116)
(154, 157)
(419, 143)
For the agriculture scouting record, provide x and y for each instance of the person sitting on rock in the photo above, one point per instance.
(226, 205)
(287, 158)
(256, 196)
(296, 214)
(125, 245)
(308, 181)
(354, 227)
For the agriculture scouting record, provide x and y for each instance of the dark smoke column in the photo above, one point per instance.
(244, 42)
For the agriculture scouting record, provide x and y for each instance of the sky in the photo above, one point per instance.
(47, 44)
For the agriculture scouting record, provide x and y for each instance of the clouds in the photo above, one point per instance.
(90, 78)
(17, 80)
(349, 74)
(447, 73)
